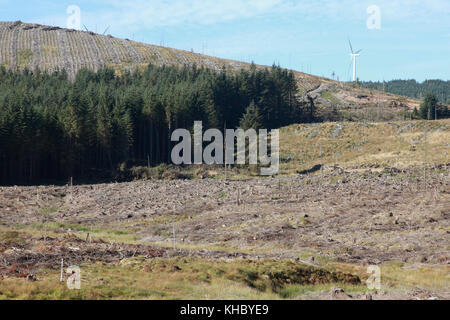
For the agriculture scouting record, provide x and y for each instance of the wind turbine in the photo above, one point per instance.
(106, 30)
(354, 55)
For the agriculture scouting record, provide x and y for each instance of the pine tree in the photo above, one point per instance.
(428, 107)
(52, 128)
(251, 119)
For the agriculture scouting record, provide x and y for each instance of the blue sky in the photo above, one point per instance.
(413, 41)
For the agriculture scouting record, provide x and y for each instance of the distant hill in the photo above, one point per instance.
(50, 48)
(414, 89)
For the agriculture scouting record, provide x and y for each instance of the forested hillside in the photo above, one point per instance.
(49, 48)
(52, 128)
(81, 104)
(414, 89)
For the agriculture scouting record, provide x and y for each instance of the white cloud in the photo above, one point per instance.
(143, 14)
(415, 9)
(160, 13)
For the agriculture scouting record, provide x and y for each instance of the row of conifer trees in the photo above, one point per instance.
(52, 128)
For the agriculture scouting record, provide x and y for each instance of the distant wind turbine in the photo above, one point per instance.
(106, 30)
(354, 55)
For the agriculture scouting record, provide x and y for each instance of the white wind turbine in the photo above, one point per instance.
(354, 55)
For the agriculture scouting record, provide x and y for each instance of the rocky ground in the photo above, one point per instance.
(359, 218)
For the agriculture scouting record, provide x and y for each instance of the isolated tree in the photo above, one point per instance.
(251, 118)
(428, 107)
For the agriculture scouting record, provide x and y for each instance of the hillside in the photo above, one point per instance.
(227, 238)
(50, 48)
(350, 194)
(413, 89)
(360, 146)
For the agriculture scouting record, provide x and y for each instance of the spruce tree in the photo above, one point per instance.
(251, 118)
(428, 107)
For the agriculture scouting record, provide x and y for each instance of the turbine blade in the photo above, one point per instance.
(351, 48)
(359, 51)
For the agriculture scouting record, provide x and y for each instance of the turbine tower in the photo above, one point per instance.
(354, 55)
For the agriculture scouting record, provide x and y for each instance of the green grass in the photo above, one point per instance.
(295, 291)
(399, 275)
(180, 278)
(11, 238)
(25, 57)
(330, 97)
(48, 210)
(106, 234)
